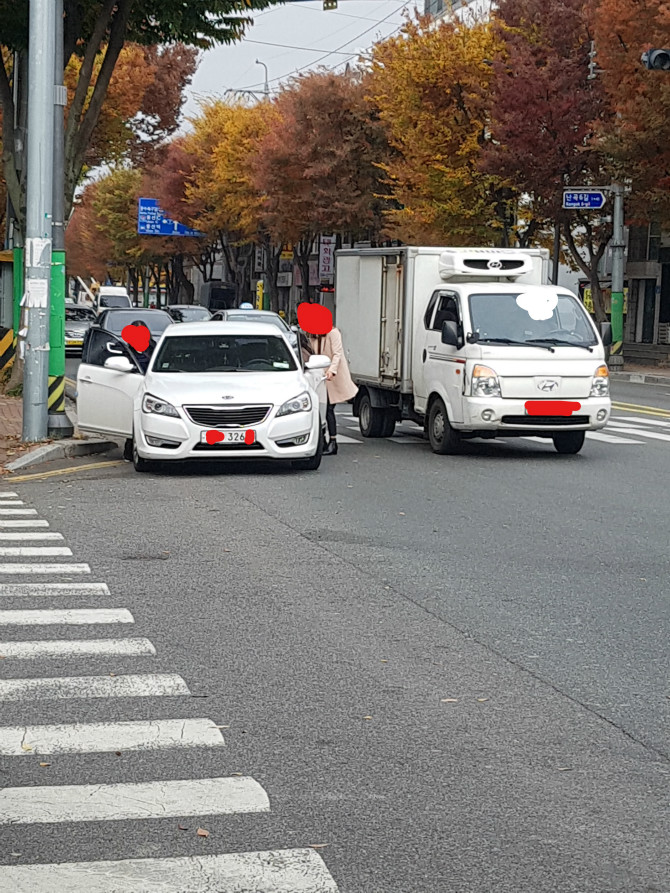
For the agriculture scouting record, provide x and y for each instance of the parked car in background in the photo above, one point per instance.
(212, 390)
(103, 339)
(112, 296)
(188, 312)
(261, 316)
(78, 320)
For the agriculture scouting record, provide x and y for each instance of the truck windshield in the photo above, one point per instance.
(500, 318)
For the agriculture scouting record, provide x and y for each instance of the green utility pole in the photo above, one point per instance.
(618, 264)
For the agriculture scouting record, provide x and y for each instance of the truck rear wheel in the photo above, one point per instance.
(388, 426)
(443, 438)
(569, 442)
(370, 418)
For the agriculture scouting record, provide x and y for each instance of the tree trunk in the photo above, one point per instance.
(302, 252)
(590, 268)
(273, 256)
(183, 282)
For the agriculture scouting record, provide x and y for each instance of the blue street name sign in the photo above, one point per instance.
(151, 221)
(591, 199)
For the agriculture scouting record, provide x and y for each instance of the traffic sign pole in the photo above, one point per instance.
(618, 262)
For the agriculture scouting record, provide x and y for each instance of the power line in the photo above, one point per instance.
(287, 46)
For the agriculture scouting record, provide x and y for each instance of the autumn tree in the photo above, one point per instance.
(87, 247)
(543, 114)
(318, 165)
(429, 84)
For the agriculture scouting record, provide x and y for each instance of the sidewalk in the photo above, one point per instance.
(10, 431)
(642, 374)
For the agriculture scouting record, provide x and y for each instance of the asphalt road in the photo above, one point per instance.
(448, 673)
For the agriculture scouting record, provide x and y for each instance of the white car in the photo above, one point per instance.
(211, 390)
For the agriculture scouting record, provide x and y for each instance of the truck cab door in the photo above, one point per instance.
(442, 365)
(105, 396)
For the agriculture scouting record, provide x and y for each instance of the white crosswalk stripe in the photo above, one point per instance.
(643, 432)
(278, 871)
(8, 495)
(104, 737)
(608, 438)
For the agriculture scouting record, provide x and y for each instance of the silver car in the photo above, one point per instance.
(264, 316)
(78, 320)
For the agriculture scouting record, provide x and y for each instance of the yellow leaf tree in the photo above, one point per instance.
(429, 84)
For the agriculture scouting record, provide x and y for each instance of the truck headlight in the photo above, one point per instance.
(301, 403)
(600, 383)
(484, 382)
(159, 407)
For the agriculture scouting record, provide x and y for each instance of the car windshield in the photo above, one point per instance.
(189, 314)
(155, 320)
(499, 317)
(258, 316)
(79, 314)
(114, 301)
(224, 353)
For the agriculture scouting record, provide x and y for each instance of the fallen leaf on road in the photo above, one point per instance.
(449, 700)
(383, 661)
(564, 768)
(401, 513)
(317, 846)
(118, 753)
(367, 717)
(481, 700)
(236, 773)
(112, 674)
(183, 827)
(202, 833)
(26, 747)
(45, 764)
(15, 854)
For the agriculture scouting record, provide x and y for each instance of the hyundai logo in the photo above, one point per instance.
(228, 397)
(494, 265)
(548, 384)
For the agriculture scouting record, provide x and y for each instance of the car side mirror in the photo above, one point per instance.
(295, 329)
(450, 333)
(119, 364)
(606, 333)
(318, 361)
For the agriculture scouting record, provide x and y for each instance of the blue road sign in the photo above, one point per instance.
(591, 199)
(151, 221)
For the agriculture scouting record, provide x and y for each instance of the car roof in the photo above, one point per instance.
(210, 327)
(132, 310)
(186, 307)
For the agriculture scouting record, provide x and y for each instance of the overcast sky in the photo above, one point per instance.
(323, 38)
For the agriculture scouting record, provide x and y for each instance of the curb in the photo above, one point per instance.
(64, 449)
(640, 378)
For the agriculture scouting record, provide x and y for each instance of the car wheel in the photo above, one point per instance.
(569, 442)
(370, 419)
(128, 450)
(443, 438)
(139, 463)
(313, 462)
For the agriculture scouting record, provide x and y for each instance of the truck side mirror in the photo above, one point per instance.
(450, 333)
(606, 333)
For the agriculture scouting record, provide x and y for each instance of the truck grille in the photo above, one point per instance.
(540, 421)
(228, 416)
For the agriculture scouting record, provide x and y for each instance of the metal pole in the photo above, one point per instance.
(557, 253)
(35, 345)
(266, 87)
(59, 425)
(618, 262)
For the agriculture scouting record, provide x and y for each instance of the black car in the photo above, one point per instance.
(188, 312)
(103, 339)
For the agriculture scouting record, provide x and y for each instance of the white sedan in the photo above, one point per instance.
(212, 390)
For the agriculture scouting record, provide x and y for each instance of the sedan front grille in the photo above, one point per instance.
(228, 416)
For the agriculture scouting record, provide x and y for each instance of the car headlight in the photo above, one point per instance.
(600, 383)
(484, 382)
(301, 403)
(160, 407)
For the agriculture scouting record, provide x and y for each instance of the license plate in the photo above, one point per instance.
(214, 436)
(71, 343)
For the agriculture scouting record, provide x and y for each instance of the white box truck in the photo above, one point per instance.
(469, 343)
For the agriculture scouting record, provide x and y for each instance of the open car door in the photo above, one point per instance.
(105, 396)
(317, 379)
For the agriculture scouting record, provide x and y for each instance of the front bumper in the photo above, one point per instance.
(183, 438)
(507, 417)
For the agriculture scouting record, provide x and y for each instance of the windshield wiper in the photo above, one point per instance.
(561, 341)
(511, 341)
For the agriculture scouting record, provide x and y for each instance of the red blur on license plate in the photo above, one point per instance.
(246, 437)
(551, 407)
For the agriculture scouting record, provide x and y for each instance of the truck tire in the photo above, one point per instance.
(370, 419)
(388, 427)
(569, 442)
(443, 438)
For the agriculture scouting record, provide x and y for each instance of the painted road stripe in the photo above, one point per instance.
(644, 432)
(638, 420)
(37, 476)
(11, 502)
(74, 648)
(73, 617)
(66, 687)
(276, 871)
(57, 569)
(637, 407)
(8, 590)
(103, 737)
(35, 551)
(30, 536)
(608, 438)
(144, 800)
(6, 512)
(16, 524)
(9, 495)
(342, 438)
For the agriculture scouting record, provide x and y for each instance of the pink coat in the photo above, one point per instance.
(341, 388)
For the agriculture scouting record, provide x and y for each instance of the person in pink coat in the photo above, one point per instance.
(339, 383)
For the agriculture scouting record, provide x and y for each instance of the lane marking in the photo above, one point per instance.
(11, 502)
(56, 569)
(8, 495)
(7, 512)
(273, 871)
(638, 420)
(636, 407)
(68, 616)
(143, 800)
(643, 432)
(30, 535)
(161, 685)
(74, 648)
(60, 471)
(103, 737)
(8, 590)
(35, 551)
(609, 438)
(342, 438)
(16, 524)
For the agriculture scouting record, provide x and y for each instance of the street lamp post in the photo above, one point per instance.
(266, 87)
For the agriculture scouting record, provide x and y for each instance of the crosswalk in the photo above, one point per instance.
(620, 431)
(64, 806)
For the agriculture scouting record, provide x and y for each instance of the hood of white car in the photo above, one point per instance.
(226, 388)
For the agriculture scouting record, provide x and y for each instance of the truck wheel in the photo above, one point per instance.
(370, 419)
(569, 442)
(388, 427)
(443, 438)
